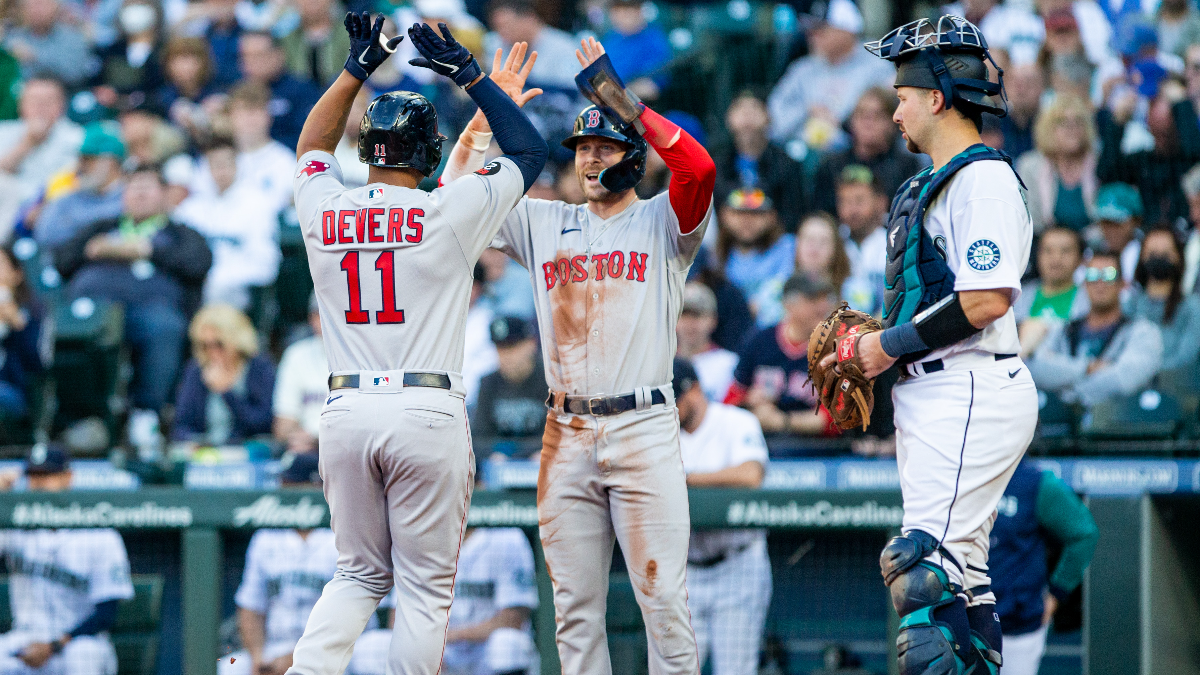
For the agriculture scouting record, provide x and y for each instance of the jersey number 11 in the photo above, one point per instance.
(386, 264)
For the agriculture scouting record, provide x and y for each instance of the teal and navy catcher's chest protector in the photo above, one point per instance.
(917, 275)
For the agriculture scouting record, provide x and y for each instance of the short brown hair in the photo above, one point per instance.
(190, 46)
(250, 95)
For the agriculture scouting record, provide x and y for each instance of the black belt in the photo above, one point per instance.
(937, 364)
(717, 559)
(604, 405)
(434, 380)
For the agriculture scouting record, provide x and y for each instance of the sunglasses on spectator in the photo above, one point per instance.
(205, 345)
(1093, 274)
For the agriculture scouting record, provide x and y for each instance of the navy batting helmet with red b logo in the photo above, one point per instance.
(632, 168)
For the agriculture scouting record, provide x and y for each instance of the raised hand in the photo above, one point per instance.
(368, 47)
(592, 50)
(511, 76)
(443, 56)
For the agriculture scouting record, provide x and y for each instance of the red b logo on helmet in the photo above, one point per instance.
(593, 118)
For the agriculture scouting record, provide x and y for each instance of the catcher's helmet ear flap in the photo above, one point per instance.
(626, 173)
(400, 130)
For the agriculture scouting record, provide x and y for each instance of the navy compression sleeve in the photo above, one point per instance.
(101, 620)
(513, 131)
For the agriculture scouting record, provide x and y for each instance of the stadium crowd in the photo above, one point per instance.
(146, 168)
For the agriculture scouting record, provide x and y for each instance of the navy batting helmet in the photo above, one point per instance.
(400, 130)
(947, 56)
(624, 174)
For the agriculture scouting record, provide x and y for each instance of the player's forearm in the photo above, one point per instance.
(953, 319)
(509, 617)
(514, 133)
(102, 618)
(327, 120)
(469, 151)
(1061, 513)
(744, 475)
(252, 627)
(693, 172)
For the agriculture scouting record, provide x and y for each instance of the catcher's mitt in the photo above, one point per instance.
(845, 393)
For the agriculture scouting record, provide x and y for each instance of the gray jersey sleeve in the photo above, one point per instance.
(683, 247)
(318, 179)
(475, 206)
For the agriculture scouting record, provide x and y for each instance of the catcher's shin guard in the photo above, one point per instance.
(935, 637)
(986, 636)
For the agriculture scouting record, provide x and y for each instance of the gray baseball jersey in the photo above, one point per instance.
(392, 266)
(608, 292)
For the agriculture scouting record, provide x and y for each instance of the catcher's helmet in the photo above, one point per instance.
(949, 57)
(632, 168)
(400, 129)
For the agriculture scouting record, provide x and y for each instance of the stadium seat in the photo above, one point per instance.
(1184, 385)
(136, 633)
(1148, 415)
(1055, 418)
(87, 358)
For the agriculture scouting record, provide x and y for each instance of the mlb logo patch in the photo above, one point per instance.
(382, 381)
(375, 193)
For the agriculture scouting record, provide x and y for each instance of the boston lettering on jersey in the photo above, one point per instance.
(611, 265)
(372, 226)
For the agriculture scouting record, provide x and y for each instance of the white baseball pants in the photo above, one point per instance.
(619, 476)
(729, 604)
(398, 472)
(959, 436)
(1022, 653)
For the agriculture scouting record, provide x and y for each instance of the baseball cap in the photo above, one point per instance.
(1135, 36)
(856, 174)
(699, 299)
(46, 458)
(749, 199)
(1118, 202)
(102, 138)
(683, 376)
(1061, 19)
(840, 14)
(509, 330)
(806, 286)
(302, 468)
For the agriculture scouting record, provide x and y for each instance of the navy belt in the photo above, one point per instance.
(604, 405)
(937, 364)
(718, 558)
(434, 380)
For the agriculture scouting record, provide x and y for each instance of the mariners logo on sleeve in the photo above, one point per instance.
(983, 255)
(490, 170)
(312, 167)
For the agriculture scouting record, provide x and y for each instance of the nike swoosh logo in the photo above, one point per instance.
(571, 230)
(332, 399)
(360, 58)
(453, 69)
(1014, 373)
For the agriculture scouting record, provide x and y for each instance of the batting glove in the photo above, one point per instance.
(368, 47)
(444, 57)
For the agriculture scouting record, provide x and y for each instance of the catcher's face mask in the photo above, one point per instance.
(947, 56)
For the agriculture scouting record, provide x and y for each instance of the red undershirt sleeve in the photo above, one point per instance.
(693, 173)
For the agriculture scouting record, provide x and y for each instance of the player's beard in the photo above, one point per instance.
(912, 146)
(596, 192)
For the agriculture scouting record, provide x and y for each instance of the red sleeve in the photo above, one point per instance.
(693, 173)
(736, 394)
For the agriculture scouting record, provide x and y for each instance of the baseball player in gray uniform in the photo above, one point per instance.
(608, 281)
(959, 237)
(729, 573)
(391, 268)
(64, 588)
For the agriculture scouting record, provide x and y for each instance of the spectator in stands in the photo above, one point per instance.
(264, 62)
(187, 65)
(1178, 26)
(49, 46)
(21, 339)
(514, 21)
(153, 268)
(639, 51)
(506, 291)
(283, 576)
(512, 399)
(131, 67)
(1008, 27)
(734, 318)
(264, 163)
(1119, 218)
(241, 229)
(225, 396)
(1054, 297)
(874, 143)
(820, 253)
(817, 92)
(316, 48)
(728, 571)
(1038, 510)
(1191, 73)
(99, 186)
(1088, 28)
(42, 141)
(862, 208)
(479, 351)
(772, 372)
(1061, 173)
(1024, 85)
(752, 160)
(64, 585)
(757, 255)
(301, 385)
(1103, 355)
(1191, 251)
(217, 22)
(566, 183)
(354, 172)
(1158, 298)
(1175, 128)
(149, 139)
(693, 331)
